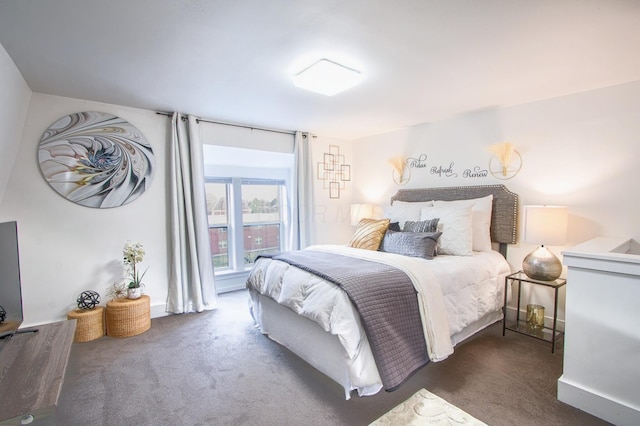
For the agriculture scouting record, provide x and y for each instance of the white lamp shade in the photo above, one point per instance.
(360, 211)
(545, 225)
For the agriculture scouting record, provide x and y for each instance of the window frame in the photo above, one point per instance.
(235, 224)
(227, 225)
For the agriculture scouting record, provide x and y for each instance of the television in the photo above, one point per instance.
(10, 286)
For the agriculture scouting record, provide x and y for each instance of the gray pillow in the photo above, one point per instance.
(430, 225)
(394, 226)
(414, 244)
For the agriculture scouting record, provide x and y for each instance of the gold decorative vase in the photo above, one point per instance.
(535, 317)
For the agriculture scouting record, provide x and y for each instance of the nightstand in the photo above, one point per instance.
(128, 317)
(520, 326)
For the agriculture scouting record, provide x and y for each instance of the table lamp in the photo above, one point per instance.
(544, 225)
(360, 211)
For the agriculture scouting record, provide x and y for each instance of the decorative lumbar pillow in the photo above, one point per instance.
(414, 244)
(402, 211)
(369, 234)
(455, 225)
(430, 225)
(480, 219)
(394, 226)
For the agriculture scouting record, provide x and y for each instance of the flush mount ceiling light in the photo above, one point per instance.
(327, 77)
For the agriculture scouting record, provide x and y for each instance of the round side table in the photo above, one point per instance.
(89, 323)
(128, 317)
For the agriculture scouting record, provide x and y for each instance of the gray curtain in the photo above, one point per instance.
(303, 193)
(191, 283)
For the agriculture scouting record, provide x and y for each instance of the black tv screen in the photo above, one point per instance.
(10, 287)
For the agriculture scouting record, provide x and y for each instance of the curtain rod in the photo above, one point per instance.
(198, 119)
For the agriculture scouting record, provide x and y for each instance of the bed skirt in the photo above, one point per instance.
(324, 351)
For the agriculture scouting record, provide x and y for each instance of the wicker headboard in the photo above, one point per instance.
(504, 216)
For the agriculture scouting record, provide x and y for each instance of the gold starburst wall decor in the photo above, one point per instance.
(506, 162)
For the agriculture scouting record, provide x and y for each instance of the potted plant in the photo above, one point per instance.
(133, 253)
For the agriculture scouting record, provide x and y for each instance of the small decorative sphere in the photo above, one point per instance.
(3, 314)
(88, 299)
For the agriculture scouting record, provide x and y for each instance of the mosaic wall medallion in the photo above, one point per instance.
(96, 159)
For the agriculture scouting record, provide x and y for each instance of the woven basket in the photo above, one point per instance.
(128, 317)
(89, 323)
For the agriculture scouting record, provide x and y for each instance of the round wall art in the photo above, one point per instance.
(96, 159)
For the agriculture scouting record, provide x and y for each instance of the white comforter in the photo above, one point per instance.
(454, 291)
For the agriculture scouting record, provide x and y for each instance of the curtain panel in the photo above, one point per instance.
(191, 283)
(303, 193)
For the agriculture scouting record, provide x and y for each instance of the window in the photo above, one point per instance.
(249, 178)
(246, 219)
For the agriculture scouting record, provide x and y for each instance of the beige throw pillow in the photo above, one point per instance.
(369, 234)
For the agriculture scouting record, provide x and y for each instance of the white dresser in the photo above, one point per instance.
(601, 371)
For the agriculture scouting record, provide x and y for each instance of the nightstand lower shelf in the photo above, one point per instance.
(545, 334)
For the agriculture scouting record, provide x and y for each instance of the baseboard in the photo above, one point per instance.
(227, 282)
(599, 405)
(159, 310)
(223, 285)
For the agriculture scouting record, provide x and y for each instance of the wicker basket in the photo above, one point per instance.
(128, 317)
(89, 323)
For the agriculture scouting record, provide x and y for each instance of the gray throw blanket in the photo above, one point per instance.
(387, 303)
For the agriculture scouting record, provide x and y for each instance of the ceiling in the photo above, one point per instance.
(422, 60)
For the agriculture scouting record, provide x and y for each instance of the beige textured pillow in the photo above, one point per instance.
(369, 233)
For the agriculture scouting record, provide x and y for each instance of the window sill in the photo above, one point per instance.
(231, 280)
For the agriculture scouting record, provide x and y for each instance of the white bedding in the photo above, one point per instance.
(454, 291)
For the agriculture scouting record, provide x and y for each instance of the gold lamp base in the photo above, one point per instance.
(542, 265)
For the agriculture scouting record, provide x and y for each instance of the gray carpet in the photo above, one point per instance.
(214, 368)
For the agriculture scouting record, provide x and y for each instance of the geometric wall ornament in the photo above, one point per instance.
(333, 171)
(96, 159)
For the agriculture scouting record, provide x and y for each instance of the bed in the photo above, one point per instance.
(458, 288)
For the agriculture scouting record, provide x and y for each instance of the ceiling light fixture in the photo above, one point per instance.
(327, 77)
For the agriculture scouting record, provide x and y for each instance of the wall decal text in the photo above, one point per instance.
(446, 171)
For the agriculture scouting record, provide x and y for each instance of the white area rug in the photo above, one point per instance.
(425, 408)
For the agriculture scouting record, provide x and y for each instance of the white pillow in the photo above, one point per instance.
(480, 219)
(402, 211)
(455, 225)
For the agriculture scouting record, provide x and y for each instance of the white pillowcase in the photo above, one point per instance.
(480, 219)
(455, 225)
(402, 211)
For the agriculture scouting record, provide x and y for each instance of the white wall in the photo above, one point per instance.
(14, 103)
(582, 151)
(66, 248)
(331, 216)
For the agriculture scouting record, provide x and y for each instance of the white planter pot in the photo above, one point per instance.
(134, 293)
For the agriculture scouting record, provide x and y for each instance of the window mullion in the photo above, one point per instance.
(237, 224)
